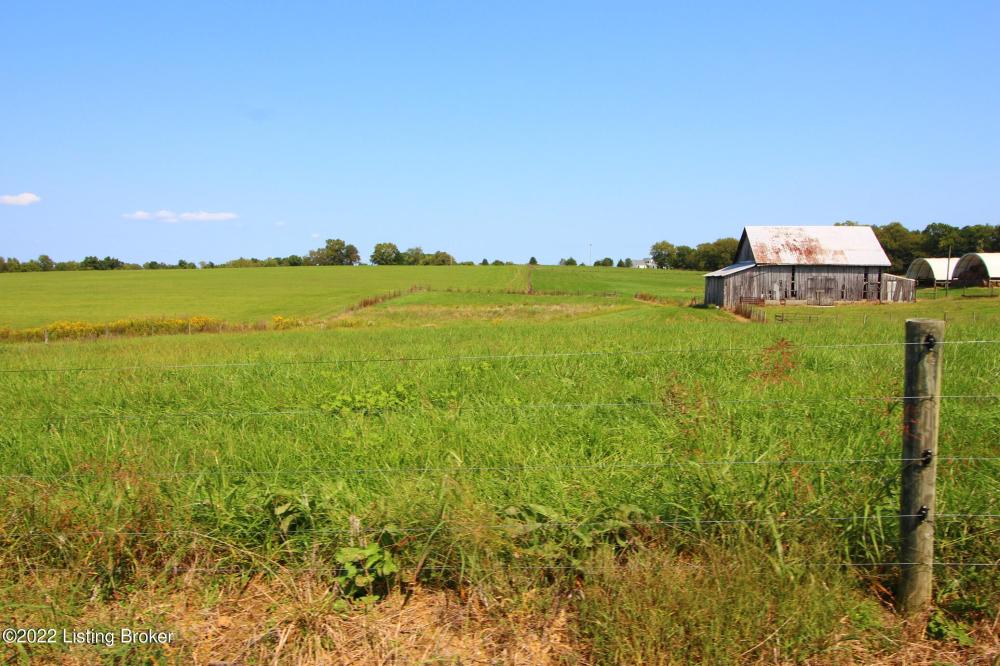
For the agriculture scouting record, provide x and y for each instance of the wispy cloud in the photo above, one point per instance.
(205, 216)
(22, 199)
(280, 223)
(170, 216)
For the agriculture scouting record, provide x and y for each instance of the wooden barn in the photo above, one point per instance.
(809, 266)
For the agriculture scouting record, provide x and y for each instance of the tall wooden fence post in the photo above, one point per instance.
(921, 413)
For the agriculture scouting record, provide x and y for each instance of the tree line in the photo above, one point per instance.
(334, 252)
(902, 245)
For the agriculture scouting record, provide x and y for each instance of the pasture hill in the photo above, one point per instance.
(475, 464)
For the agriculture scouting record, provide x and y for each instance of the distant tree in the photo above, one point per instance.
(497, 262)
(413, 257)
(620, 264)
(714, 255)
(569, 261)
(386, 254)
(606, 261)
(484, 262)
(662, 254)
(938, 239)
(439, 258)
(901, 244)
(45, 262)
(335, 253)
(294, 260)
(628, 262)
(978, 238)
(532, 262)
(684, 257)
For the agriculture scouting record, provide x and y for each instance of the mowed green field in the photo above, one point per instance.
(674, 483)
(313, 292)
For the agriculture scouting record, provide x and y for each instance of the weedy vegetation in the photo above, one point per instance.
(534, 465)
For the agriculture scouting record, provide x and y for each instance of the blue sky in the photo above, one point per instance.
(499, 130)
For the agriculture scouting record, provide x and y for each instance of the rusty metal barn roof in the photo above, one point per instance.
(820, 246)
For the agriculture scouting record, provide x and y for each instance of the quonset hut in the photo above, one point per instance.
(932, 270)
(807, 265)
(978, 269)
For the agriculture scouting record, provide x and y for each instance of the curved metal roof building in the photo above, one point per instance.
(978, 268)
(935, 269)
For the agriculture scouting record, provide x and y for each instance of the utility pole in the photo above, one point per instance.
(947, 274)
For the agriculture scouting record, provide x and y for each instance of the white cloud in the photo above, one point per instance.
(165, 215)
(171, 217)
(205, 216)
(315, 235)
(280, 223)
(22, 199)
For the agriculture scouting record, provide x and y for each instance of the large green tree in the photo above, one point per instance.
(413, 257)
(662, 254)
(335, 252)
(386, 254)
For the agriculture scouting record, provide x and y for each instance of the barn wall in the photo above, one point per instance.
(714, 291)
(815, 284)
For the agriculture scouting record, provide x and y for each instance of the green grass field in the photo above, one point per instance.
(452, 434)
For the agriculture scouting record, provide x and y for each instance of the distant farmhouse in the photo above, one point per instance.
(644, 263)
(807, 265)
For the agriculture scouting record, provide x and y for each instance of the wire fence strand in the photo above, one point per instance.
(472, 357)
(521, 526)
(781, 403)
(417, 469)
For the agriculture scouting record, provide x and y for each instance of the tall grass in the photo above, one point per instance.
(277, 450)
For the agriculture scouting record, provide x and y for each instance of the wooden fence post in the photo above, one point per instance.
(921, 413)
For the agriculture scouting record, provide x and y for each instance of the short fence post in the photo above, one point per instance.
(921, 414)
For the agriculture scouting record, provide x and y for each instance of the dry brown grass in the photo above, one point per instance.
(292, 619)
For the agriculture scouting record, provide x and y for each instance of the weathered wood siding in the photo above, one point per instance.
(817, 285)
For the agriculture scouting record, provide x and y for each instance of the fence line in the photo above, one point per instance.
(474, 357)
(776, 402)
(519, 468)
(527, 525)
